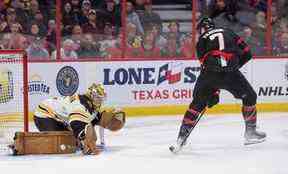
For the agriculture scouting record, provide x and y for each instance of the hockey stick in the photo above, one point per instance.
(178, 147)
(102, 138)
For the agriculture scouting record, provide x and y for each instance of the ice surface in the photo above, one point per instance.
(215, 147)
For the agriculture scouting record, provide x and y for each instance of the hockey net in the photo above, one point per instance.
(13, 95)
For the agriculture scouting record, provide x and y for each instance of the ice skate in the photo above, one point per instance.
(252, 136)
(178, 147)
(191, 118)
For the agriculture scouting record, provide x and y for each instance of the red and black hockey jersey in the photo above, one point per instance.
(220, 49)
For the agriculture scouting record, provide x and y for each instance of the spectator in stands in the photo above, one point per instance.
(174, 27)
(228, 7)
(67, 17)
(160, 41)
(149, 49)
(132, 17)
(89, 48)
(260, 5)
(11, 15)
(85, 8)
(275, 14)
(34, 5)
(15, 28)
(92, 25)
(139, 6)
(110, 13)
(259, 27)
(282, 45)
(47, 8)
(249, 37)
(248, 10)
(112, 48)
(51, 36)
(202, 6)
(35, 10)
(76, 12)
(39, 20)
(24, 14)
(172, 47)
(186, 46)
(34, 30)
(2, 5)
(77, 34)
(109, 30)
(282, 8)
(36, 50)
(222, 21)
(283, 26)
(109, 39)
(149, 17)
(132, 37)
(67, 51)
(76, 4)
(144, 48)
(18, 41)
(5, 42)
(10, 18)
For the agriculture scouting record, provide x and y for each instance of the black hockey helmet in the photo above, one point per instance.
(205, 23)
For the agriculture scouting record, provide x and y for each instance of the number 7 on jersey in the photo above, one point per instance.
(221, 44)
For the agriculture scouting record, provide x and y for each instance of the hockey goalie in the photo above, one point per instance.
(77, 115)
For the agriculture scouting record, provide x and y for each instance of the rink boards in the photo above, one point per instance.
(157, 88)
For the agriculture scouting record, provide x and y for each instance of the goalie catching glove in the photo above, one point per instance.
(113, 120)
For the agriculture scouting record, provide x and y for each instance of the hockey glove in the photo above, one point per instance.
(214, 99)
(113, 120)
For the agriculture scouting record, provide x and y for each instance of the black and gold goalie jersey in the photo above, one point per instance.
(220, 49)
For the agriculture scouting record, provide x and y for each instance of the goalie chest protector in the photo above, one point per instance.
(50, 142)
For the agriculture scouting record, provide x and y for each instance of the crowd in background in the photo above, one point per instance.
(94, 29)
(249, 19)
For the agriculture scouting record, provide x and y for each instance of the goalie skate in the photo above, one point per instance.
(254, 137)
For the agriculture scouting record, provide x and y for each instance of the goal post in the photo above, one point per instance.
(14, 111)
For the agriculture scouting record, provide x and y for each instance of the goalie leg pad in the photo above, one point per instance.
(52, 142)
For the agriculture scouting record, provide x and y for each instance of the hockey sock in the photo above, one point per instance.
(250, 116)
(188, 123)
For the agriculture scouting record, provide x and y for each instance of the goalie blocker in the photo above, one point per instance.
(50, 142)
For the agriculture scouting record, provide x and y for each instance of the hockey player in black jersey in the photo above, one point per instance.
(221, 53)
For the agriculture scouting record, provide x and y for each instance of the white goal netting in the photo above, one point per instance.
(12, 80)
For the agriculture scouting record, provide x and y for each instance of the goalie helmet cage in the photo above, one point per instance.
(13, 95)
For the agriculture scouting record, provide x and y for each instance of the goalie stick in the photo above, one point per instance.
(101, 136)
(181, 142)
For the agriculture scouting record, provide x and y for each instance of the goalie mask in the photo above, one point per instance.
(96, 93)
(205, 24)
